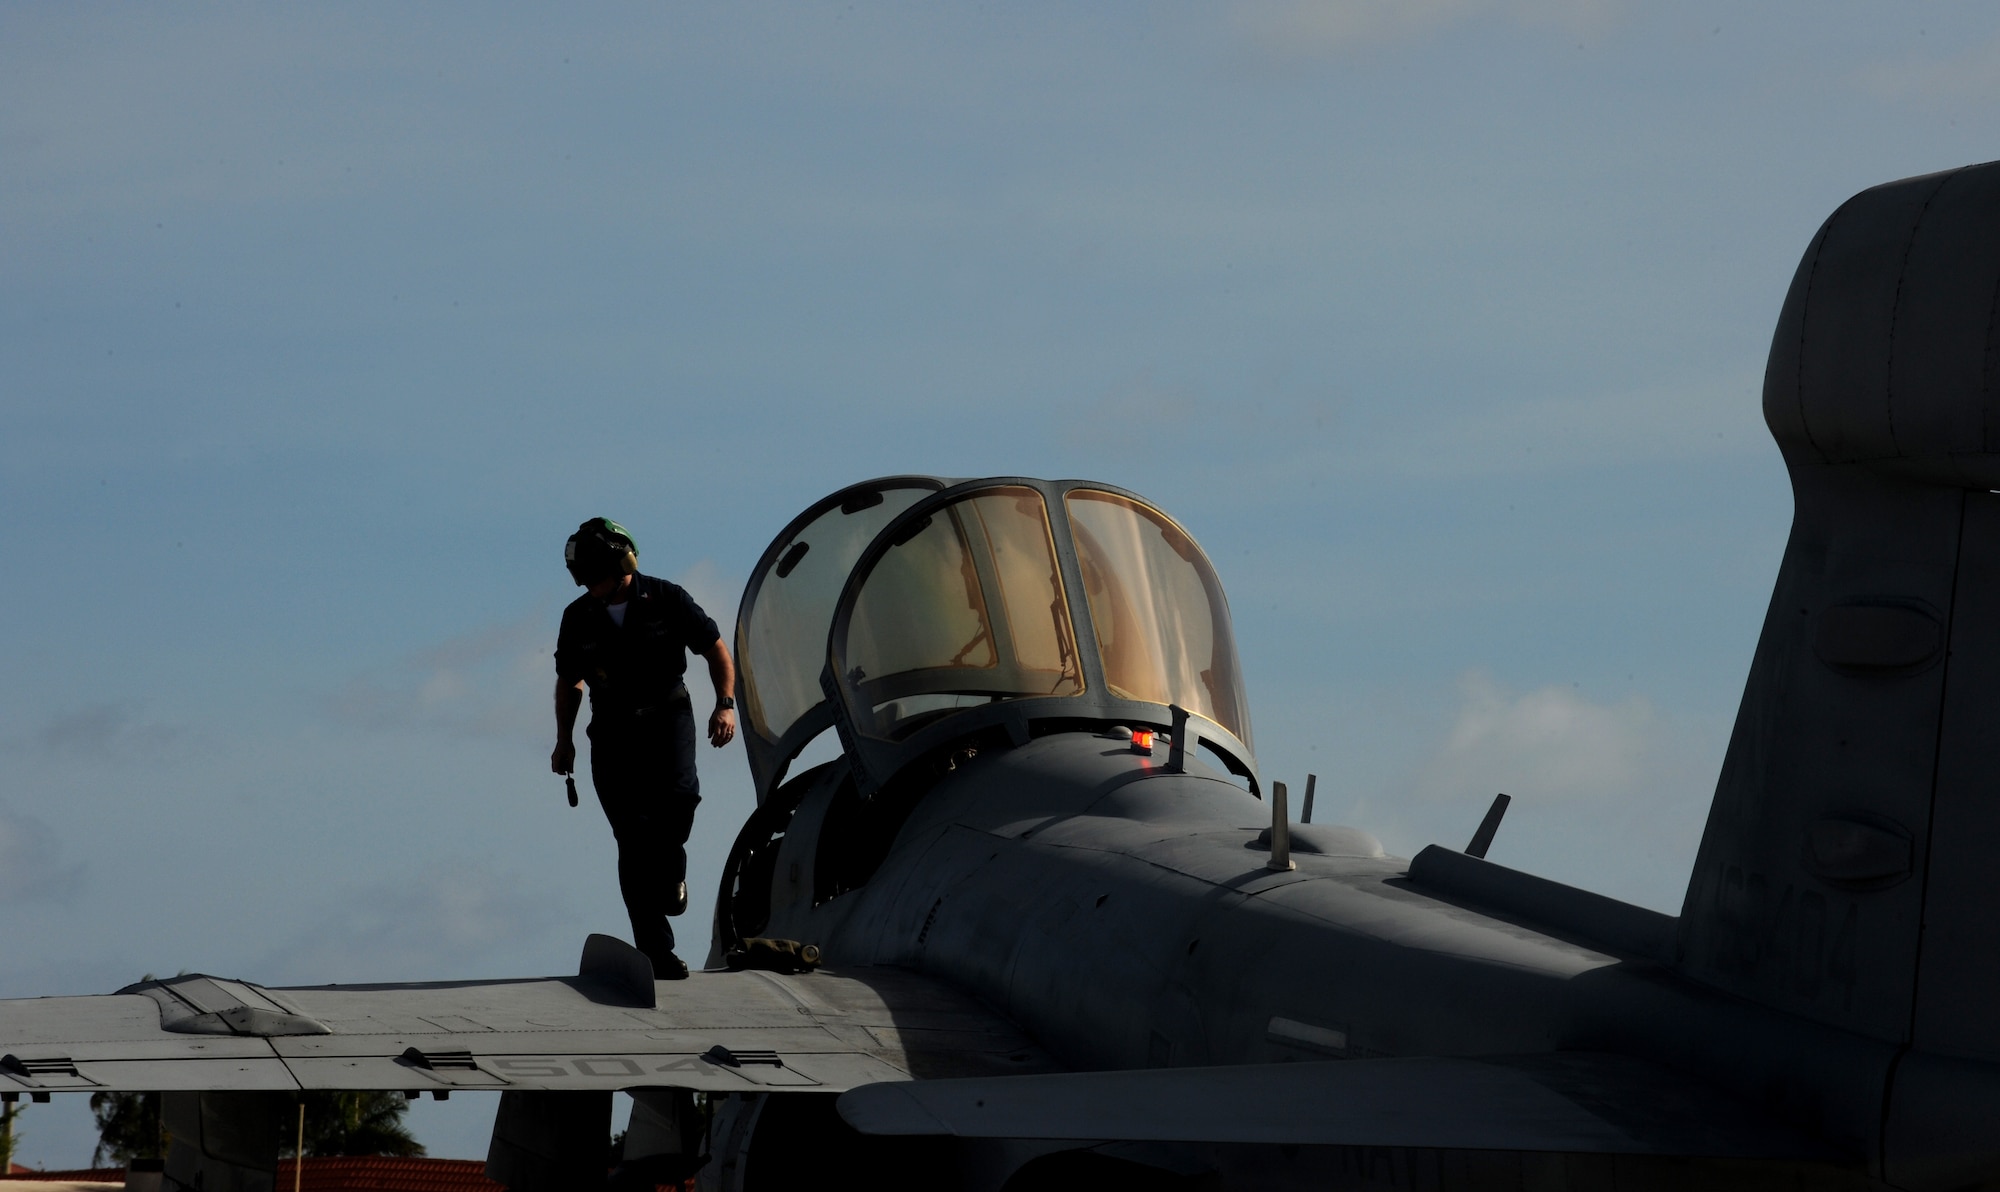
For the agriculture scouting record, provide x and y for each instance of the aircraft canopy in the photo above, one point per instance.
(912, 601)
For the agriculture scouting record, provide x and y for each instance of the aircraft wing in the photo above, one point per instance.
(1566, 1102)
(610, 1027)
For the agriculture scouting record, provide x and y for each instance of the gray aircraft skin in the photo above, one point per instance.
(1055, 955)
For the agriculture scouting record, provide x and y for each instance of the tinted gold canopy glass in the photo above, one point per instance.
(967, 608)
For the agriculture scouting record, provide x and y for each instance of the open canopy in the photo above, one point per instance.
(910, 610)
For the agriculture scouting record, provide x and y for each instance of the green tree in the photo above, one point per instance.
(366, 1123)
(8, 1112)
(128, 1128)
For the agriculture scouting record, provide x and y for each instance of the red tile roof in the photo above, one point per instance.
(328, 1174)
(372, 1173)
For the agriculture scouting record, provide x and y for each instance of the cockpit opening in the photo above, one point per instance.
(781, 630)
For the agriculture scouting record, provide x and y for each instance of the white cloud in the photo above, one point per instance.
(718, 594)
(1303, 28)
(31, 861)
(493, 681)
(1971, 74)
(1550, 743)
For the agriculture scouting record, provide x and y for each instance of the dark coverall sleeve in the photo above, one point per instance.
(569, 661)
(701, 630)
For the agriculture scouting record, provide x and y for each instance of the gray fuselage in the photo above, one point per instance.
(1125, 917)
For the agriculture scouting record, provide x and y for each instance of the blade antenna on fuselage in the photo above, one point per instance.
(1483, 838)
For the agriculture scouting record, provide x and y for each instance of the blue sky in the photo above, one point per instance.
(1439, 322)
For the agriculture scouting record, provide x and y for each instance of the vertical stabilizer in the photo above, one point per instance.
(1842, 873)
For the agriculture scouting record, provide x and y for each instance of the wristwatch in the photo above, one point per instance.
(726, 703)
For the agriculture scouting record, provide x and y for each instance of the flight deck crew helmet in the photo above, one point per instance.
(599, 548)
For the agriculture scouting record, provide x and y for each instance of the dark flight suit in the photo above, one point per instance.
(642, 736)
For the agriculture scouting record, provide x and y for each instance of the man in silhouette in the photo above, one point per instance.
(627, 638)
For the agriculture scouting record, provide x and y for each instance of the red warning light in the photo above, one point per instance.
(1142, 740)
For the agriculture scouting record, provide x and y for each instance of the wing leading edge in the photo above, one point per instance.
(610, 1027)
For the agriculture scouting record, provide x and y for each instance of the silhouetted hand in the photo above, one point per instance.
(563, 760)
(721, 727)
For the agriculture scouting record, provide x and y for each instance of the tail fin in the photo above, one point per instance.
(1844, 873)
